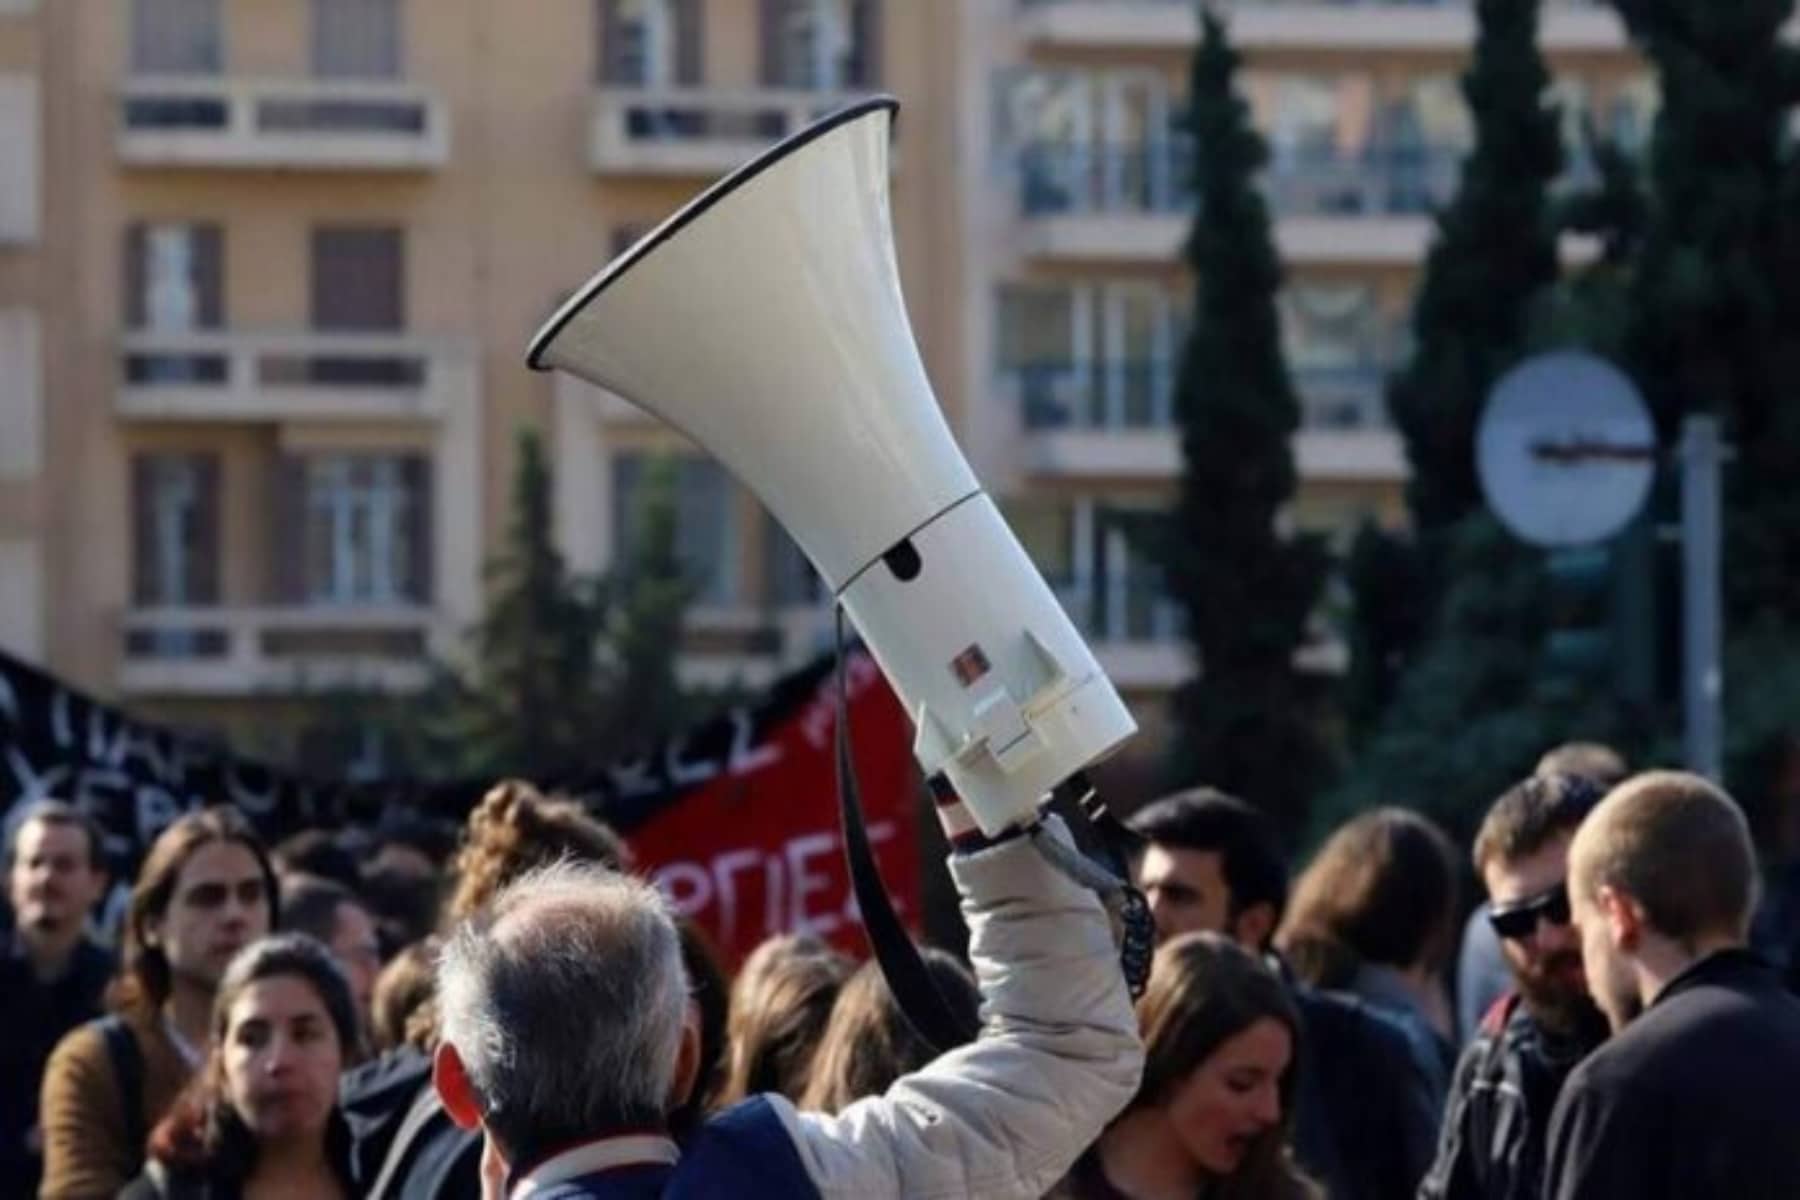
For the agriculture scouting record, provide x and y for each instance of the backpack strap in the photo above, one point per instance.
(128, 1071)
(418, 1115)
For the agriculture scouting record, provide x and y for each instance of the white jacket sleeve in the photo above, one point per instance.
(1058, 1055)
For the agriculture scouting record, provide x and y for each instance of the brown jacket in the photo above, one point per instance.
(86, 1150)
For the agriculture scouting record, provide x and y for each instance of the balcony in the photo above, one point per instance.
(228, 375)
(702, 132)
(1133, 204)
(1114, 422)
(354, 125)
(1320, 26)
(250, 651)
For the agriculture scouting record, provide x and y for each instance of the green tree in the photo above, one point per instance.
(1248, 594)
(1715, 303)
(650, 593)
(562, 674)
(1495, 252)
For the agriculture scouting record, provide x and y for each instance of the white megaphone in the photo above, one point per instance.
(765, 321)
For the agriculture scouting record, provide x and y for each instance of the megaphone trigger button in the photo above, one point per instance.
(903, 561)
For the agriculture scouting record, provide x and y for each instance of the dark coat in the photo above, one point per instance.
(1365, 1121)
(1697, 1099)
(37, 1016)
(1492, 1143)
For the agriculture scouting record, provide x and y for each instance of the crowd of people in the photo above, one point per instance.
(514, 1011)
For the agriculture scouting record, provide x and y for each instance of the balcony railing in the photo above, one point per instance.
(239, 376)
(1434, 26)
(696, 131)
(336, 124)
(1125, 607)
(241, 651)
(1139, 395)
(1155, 178)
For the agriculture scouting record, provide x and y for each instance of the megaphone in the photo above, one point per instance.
(765, 321)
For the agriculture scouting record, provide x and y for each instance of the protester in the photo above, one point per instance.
(868, 1043)
(261, 1118)
(1365, 1120)
(403, 988)
(405, 1144)
(52, 977)
(315, 854)
(1695, 1095)
(205, 891)
(1492, 1145)
(1483, 975)
(332, 915)
(1374, 914)
(780, 1004)
(709, 992)
(522, 984)
(1211, 1116)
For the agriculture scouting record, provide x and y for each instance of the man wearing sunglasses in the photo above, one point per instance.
(1492, 1143)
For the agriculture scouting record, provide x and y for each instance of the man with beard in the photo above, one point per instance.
(1694, 1097)
(52, 977)
(1492, 1143)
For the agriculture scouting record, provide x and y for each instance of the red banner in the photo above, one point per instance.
(756, 851)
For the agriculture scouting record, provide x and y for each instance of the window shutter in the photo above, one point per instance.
(774, 56)
(690, 46)
(287, 541)
(202, 562)
(135, 269)
(209, 275)
(866, 44)
(146, 583)
(416, 472)
(610, 63)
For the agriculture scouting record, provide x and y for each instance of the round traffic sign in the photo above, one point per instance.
(1566, 450)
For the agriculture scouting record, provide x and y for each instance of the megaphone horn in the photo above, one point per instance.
(765, 321)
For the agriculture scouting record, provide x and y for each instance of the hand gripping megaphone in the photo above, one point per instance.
(765, 321)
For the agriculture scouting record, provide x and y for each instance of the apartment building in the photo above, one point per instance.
(290, 257)
(1077, 298)
(25, 284)
(267, 268)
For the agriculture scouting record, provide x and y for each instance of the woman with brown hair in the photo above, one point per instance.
(868, 1043)
(261, 1118)
(1211, 1117)
(780, 1001)
(1374, 914)
(205, 890)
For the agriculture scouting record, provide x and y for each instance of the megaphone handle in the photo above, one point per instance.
(915, 992)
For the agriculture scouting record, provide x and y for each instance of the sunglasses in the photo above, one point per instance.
(1519, 919)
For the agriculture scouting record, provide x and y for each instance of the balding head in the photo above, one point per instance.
(1679, 847)
(564, 1001)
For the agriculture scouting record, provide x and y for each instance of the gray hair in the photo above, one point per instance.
(565, 999)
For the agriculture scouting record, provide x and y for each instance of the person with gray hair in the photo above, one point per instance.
(568, 1037)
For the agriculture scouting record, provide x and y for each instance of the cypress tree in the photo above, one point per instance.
(1248, 593)
(1495, 252)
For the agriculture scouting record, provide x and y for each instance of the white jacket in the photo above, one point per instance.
(1058, 1056)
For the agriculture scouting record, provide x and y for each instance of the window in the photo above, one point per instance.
(792, 582)
(174, 277)
(176, 37)
(1336, 343)
(358, 279)
(821, 45)
(174, 285)
(356, 39)
(706, 539)
(175, 530)
(651, 43)
(366, 526)
(1098, 356)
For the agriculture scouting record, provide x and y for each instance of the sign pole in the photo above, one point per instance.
(1702, 675)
